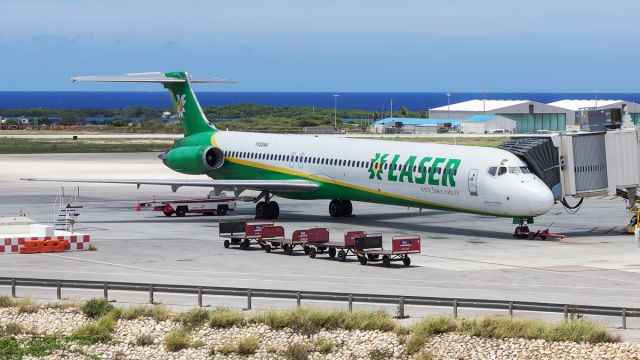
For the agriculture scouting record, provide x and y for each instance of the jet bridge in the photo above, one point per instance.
(584, 164)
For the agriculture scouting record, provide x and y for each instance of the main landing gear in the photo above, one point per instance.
(267, 209)
(340, 208)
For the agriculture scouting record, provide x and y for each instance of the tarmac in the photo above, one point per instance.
(463, 255)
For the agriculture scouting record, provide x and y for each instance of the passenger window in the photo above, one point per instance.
(492, 171)
(502, 170)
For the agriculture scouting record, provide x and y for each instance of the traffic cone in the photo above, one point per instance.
(138, 206)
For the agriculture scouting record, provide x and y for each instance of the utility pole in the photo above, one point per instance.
(484, 100)
(335, 110)
(448, 104)
(391, 107)
(595, 92)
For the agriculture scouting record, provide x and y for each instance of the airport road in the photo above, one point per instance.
(463, 255)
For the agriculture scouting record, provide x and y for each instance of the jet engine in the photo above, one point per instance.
(193, 160)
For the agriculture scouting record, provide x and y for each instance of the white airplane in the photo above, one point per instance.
(457, 178)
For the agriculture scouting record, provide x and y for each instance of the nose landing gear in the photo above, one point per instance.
(522, 230)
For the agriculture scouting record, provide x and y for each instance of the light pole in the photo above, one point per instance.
(335, 110)
(595, 93)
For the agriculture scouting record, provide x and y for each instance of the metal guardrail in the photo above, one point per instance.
(350, 298)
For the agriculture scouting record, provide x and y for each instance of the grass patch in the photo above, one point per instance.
(177, 339)
(96, 308)
(504, 327)
(226, 349)
(248, 345)
(325, 345)
(225, 318)
(427, 328)
(144, 340)
(192, 318)
(310, 320)
(297, 351)
(36, 346)
(26, 306)
(380, 354)
(424, 355)
(156, 312)
(12, 329)
(95, 331)
(197, 344)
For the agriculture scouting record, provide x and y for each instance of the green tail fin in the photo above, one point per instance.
(186, 105)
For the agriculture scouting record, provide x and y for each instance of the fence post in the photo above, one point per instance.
(566, 312)
(299, 298)
(511, 308)
(59, 290)
(455, 308)
(105, 291)
(13, 288)
(249, 299)
(350, 302)
(401, 308)
(624, 318)
(151, 294)
(200, 296)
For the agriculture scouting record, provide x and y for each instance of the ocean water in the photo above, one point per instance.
(369, 101)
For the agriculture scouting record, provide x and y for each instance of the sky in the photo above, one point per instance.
(329, 45)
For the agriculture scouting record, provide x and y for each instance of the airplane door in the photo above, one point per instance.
(473, 182)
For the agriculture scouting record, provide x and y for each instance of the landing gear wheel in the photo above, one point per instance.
(386, 261)
(222, 210)
(261, 210)
(342, 256)
(273, 210)
(167, 213)
(347, 208)
(312, 253)
(181, 211)
(362, 259)
(332, 252)
(406, 261)
(335, 208)
(226, 244)
(267, 248)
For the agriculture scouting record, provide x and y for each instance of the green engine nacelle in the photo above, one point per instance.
(193, 160)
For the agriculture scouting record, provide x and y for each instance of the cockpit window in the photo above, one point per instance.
(525, 170)
(492, 171)
(502, 170)
(514, 170)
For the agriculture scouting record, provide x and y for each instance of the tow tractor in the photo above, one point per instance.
(213, 205)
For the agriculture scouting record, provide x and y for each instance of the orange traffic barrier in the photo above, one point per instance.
(42, 246)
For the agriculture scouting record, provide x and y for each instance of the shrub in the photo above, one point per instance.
(176, 340)
(144, 340)
(13, 329)
(380, 354)
(424, 355)
(95, 331)
(197, 344)
(325, 345)
(193, 318)
(96, 308)
(297, 351)
(225, 318)
(26, 306)
(248, 345)
(226, 349)
(6, 301)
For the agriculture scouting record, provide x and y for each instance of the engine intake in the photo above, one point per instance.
(194, 160)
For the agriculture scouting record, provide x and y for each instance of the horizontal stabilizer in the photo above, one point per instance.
(147, 77)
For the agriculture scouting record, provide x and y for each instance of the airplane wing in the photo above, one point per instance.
(236, 186)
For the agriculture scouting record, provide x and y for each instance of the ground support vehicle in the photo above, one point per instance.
(241, 233)
(213, 205)
(369, 249)
(341, 249)
(299, 239)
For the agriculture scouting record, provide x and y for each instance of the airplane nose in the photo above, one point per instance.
(540, 199)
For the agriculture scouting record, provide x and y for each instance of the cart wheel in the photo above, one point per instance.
(247, 243)
(285, 247)
(288, 250)
(306, 249)
(362, 259)
(226, 244)
(342, 256)
(243, 246)
(406, 261)
(332, 252)
(386, 261)
(167, 213)
(267, 248)
(181, 211)
(312, 253)
(543, 237)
